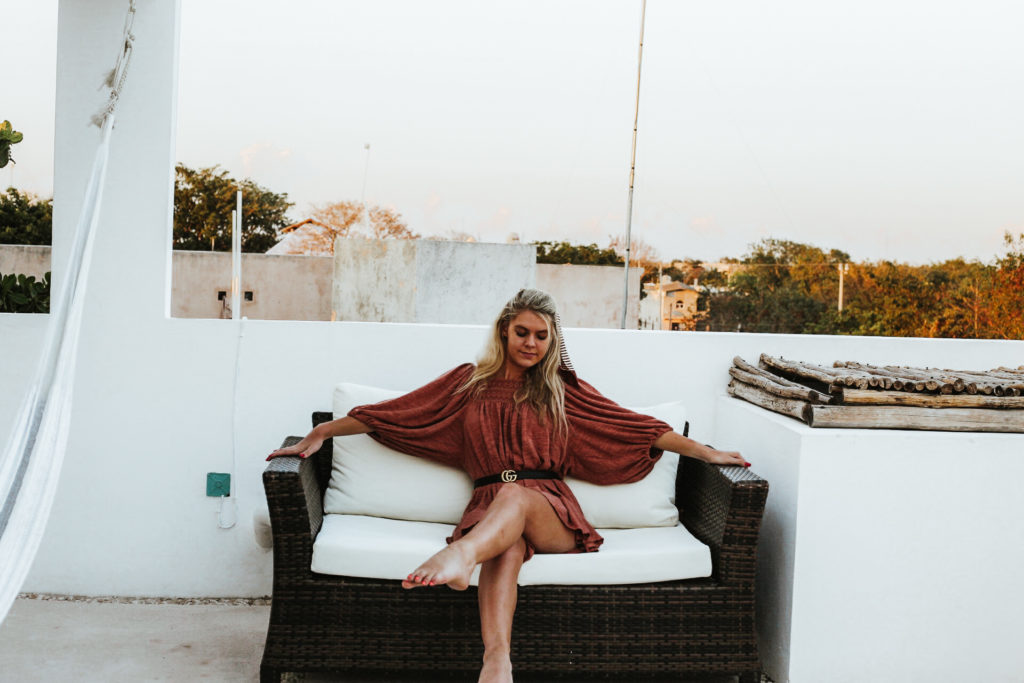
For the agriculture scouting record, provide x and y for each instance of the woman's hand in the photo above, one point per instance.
(315, 439)
(303, 449)
(671, 441)
(717, 457)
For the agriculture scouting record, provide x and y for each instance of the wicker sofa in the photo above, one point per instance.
(688, 628)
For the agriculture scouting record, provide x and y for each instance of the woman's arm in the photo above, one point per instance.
(677, 443)
(311, 444)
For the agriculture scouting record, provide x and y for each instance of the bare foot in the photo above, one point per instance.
(496, 669)
(452, 566)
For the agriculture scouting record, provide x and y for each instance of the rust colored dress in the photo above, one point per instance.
(484, 433)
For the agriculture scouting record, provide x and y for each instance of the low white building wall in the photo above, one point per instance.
(427, 281)
(591, 296)
(290, 287)
(24, 259)
(282, 287)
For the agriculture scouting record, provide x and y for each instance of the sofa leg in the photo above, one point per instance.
(268, 675)
(750, 677)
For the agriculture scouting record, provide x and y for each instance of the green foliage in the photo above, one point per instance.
(787, 287)
(203, 201)
(783, 289)
(25, 219)
(8, 137)
(22, 294)
(578, 254)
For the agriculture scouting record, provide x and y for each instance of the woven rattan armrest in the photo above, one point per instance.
(295, 503)
(722, 506)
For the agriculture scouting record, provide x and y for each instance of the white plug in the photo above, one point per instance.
(228, 515)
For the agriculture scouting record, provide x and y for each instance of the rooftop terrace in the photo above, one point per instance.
(847, 592)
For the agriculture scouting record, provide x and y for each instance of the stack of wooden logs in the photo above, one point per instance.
(859, 395)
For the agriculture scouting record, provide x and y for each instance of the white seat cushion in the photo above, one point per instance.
(373, 547)
(368, 478)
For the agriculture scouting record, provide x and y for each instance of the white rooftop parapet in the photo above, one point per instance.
(885, 555)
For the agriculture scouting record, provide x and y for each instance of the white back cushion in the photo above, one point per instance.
(368, 478)
(648, 502)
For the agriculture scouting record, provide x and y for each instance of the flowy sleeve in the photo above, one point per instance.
(426, 422)
(608, 444)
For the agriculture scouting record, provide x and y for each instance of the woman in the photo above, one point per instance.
(521, 409)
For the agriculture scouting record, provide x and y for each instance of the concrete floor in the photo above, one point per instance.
(113, 642)
(57, 639)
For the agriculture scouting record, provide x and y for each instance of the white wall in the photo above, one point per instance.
(24, 259)
(591, 296)
(427, 281)
(153, 401)
(885, 555)
(466, 282)
(284, 287)
(299, 287)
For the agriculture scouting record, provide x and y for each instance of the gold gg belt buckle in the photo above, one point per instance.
(508, 476)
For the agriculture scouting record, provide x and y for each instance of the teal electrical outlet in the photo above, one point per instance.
(218, 484)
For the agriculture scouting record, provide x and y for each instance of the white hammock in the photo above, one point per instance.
(31, 461)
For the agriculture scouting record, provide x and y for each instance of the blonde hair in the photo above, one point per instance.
(543, 389)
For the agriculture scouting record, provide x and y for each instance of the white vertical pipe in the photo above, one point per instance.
(228, 514)
(632, 165)
(236, 258)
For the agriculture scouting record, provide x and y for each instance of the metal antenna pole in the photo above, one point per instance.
(632, 164)
(362, 197)
(842, 272)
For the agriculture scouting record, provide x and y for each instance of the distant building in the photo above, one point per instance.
(669, 306)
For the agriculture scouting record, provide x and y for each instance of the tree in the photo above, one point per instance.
(578, 254)
(203, 201)
(25, 219)
(785, 287)
(641, 255)
(22, 294)
(346, 219)
(1004, 299)
(461, 236)
(8, 137)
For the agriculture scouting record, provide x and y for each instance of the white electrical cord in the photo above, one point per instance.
(228, 516)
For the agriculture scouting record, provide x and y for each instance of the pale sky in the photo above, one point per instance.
(889, 129)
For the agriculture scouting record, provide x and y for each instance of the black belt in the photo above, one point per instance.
(508, 476)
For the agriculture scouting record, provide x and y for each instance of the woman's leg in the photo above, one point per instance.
(497, 596)
(516, 512)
